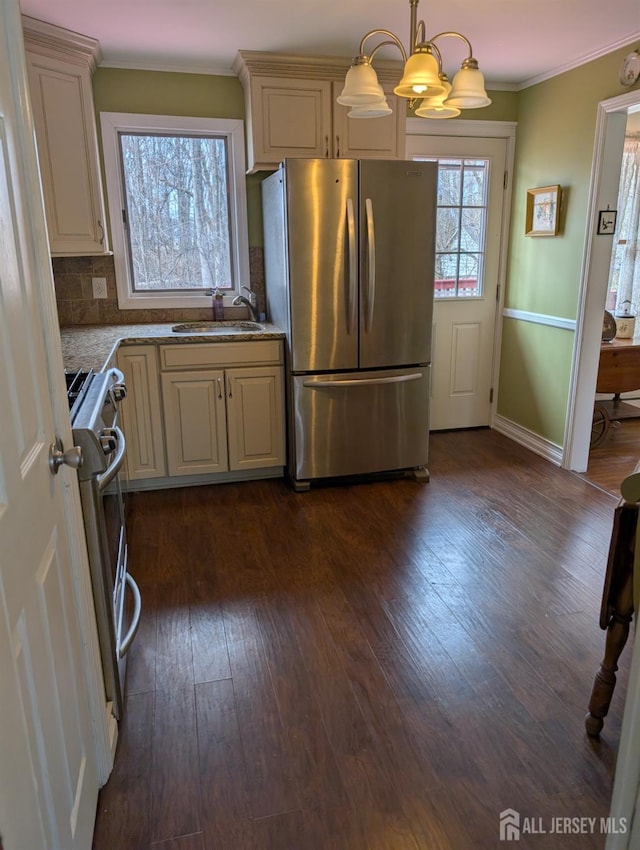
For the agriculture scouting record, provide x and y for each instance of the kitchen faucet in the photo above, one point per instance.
(251, 302)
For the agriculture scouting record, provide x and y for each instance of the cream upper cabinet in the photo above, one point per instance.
(60, 64)
(289, 118)
(369, 138)
(291, 111)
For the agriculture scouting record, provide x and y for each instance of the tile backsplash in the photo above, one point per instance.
(77, 306)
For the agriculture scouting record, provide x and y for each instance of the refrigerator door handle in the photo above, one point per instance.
(312, 383)
(353, 267)
(371, 264)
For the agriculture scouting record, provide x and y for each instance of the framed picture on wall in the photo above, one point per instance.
(607, 222)
(542, 214)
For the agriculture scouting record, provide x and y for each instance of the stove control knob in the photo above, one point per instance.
(119, 392)
(109, 443)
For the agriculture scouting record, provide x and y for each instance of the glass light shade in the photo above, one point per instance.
(467, 91)
(421, 75)
(433, 107)
(361, 86)
(438, 111)
(371, 110)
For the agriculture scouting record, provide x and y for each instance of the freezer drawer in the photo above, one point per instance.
(359, 422)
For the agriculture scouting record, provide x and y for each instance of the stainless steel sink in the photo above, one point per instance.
(217, 327)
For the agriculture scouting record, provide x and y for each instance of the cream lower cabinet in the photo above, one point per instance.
(255, 418)
(223, 419)
(141, 412)
(195, 422)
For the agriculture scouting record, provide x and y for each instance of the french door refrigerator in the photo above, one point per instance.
(349, 264)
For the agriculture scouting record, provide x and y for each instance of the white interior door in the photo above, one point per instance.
(470, 208)
(48, 776)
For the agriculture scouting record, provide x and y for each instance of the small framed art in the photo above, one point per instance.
(542, 214)
(607, 222)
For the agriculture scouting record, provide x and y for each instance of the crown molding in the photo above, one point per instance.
(262, 64)
(50, 40)
(627, 41)
(168, 67)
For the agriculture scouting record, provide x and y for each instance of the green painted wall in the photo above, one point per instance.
(503, 107)
(208, 96)
(167, 93)
(554, 145)
(531, 388)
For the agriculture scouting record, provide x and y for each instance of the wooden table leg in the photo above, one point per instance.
(617, 634)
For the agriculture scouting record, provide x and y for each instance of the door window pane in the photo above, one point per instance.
(447, 229)
(460, 226)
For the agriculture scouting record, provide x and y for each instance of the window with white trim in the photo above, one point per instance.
(177, 208)
(463, 186)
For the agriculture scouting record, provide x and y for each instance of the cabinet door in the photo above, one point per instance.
(255, 417)
(369, 138)
(194, 420)
(142, 412)
(65, 128)
(290, 118)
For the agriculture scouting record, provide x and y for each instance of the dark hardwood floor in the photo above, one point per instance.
(385, 666)
(616, 457)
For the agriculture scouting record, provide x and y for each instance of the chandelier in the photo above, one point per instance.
(423, 78)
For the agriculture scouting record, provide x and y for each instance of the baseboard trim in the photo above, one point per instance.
(166, 483)
(529, 439)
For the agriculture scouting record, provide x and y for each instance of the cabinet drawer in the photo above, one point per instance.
(220, 354)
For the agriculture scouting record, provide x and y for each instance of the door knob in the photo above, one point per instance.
(57, 456)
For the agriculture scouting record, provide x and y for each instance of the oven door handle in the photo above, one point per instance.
(114, 467)
(135, 620)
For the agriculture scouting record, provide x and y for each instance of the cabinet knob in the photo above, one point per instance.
(326, 143)
(338, 146)
(101, 239)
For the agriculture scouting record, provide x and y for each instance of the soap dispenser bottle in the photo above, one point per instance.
(218, 306)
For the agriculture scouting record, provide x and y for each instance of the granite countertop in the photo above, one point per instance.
(91, 346)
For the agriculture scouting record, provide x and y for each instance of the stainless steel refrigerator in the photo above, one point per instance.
(349, 263)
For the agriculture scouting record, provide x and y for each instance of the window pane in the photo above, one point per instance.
(449, 183)
(471, 236)
(446, 275)
(473, 193)
(447, 229)
(460, 227)
(177, 212)
(470, 275)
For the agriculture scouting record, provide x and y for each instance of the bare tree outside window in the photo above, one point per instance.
(177, 216)
(460, 228)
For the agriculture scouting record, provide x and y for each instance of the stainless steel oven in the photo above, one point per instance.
(94, 400)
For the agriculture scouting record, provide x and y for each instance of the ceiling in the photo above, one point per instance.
(516, 42)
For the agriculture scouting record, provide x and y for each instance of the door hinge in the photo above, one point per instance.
(491, 396)
(498, 293)
(124, 217)
(505, 181)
